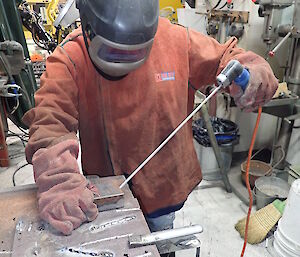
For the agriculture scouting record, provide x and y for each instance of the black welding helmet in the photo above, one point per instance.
(118, 33)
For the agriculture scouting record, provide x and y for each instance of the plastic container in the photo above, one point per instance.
(287, 235)
(207, 159)
(267, 189)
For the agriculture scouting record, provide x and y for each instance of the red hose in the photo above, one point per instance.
(247, 178)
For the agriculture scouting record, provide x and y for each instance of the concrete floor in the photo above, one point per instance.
(208, 205)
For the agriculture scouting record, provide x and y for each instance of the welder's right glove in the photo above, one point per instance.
(64, 197)
(262, 85)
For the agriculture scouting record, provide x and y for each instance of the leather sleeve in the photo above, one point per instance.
(207, 58)
(55, 116)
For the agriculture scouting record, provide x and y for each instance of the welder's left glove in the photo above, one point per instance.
(262, 85)
(65, 197)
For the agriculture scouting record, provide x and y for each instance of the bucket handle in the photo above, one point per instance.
(267, 196)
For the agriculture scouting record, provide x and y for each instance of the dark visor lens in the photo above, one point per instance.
(110, 54)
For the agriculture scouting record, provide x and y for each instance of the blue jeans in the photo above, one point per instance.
(163, 222)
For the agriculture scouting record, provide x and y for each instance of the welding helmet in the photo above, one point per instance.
(118, 33)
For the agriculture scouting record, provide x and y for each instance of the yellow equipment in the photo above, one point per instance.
(168, 9)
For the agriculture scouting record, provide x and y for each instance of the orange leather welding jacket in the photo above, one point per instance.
(121, 122)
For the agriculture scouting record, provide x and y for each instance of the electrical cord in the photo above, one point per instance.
(217, 4)
(247, 178)
(282, 156)
(223, 6)
(24, 131)
(15, 172)
(22, 140)
(21, 135)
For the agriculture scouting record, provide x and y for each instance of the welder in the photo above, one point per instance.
(125, 79)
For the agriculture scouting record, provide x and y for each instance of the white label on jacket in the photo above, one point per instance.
(165, 76)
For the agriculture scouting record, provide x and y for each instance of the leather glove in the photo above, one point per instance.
(64, 199)
(262, 84)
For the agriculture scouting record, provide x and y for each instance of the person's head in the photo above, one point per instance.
(118, 33)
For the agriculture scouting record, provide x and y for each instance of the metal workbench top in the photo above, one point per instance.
(19, 202)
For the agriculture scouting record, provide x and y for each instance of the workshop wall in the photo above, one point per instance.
(251, 40)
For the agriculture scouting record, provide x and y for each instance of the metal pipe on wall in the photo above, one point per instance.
(294, 78)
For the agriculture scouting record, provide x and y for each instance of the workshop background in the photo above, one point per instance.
(46, 23)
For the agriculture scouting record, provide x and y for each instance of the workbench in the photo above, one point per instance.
(17, 202)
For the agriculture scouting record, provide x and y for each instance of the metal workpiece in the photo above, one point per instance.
(110, 195)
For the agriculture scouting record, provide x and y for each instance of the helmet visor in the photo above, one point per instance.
(117, 59)
(114, 55)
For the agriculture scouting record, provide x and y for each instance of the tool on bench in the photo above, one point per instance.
(233, 72)
(170, 240)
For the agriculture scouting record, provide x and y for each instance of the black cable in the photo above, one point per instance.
(14, 133)
(22, 140)
(24, 92)
(223, 6)
(296, 127)
(217, 4)
(25, 132)
(15, 172)
(21, 129)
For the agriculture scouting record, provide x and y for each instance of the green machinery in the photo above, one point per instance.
(17, 80)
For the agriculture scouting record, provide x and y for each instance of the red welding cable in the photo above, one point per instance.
(247, 178)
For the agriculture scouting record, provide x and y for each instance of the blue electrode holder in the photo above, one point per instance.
(243, 79)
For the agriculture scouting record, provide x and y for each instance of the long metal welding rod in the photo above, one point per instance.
(170, 136)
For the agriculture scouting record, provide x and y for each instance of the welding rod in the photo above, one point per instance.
(169, 137)
(233, 71)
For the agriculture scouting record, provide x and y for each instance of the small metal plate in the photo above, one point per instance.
(110, 195)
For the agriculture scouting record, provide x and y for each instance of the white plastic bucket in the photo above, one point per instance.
(284, 243)
(287, 236)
